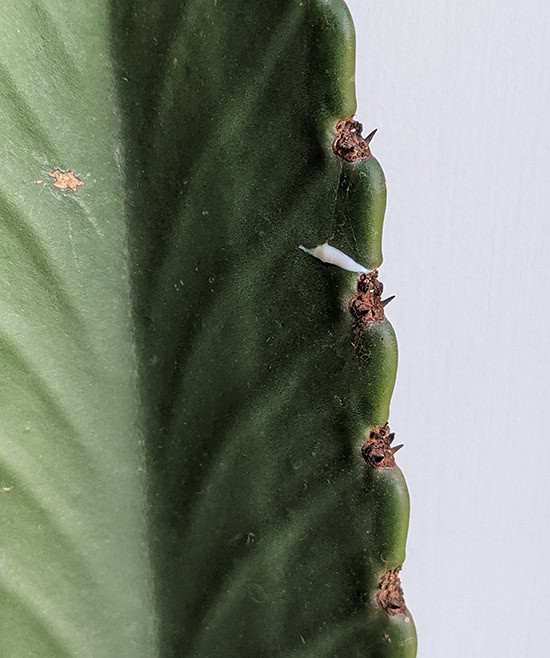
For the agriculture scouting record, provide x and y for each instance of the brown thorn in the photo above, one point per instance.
(396, 448)
(368, 138)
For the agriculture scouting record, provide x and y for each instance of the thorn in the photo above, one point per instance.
(391, 436)
(368, 138)
(386, 301)
(396, 448)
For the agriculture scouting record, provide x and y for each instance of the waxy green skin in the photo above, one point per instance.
(184, 406)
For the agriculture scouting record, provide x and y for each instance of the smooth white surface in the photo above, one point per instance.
(329, 254)
(460, 93)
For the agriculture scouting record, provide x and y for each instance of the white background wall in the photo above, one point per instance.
(460, 92)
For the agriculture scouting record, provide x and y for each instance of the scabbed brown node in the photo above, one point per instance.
(377, 450)
(366, 305)
(349, 143)
(390, 593)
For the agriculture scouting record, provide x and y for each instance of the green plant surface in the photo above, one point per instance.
(184, 393)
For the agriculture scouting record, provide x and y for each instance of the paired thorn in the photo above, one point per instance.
(390, 441)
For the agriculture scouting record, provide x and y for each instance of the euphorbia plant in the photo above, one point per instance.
(195, 458)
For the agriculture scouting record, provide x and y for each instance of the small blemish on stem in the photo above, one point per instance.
(65, 180)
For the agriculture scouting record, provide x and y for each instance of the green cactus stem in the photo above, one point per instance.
(195, 456)
(280, 533)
